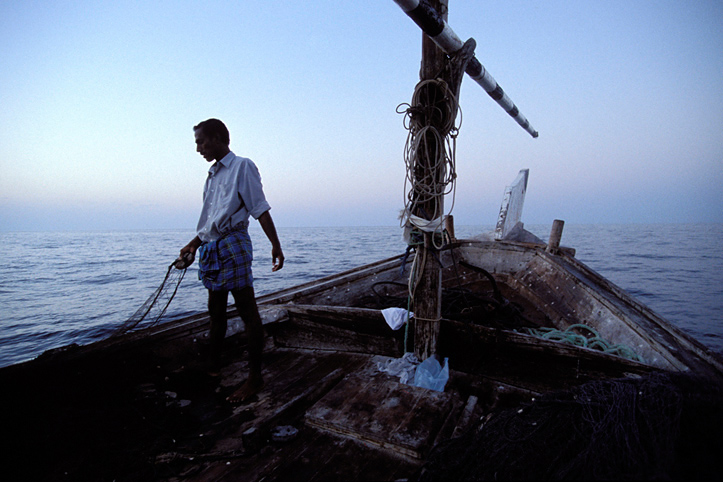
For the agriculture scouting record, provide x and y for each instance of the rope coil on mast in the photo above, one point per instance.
(429, 156)
(430, 169)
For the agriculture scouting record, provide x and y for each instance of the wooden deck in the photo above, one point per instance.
(100, 421)
(353, 422)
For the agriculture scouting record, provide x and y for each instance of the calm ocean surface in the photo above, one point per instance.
(73, 287)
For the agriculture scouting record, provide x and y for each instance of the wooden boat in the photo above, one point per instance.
(553, 372)
(142, 407)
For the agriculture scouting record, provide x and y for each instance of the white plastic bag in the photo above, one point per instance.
(431, 375)
(401, 367)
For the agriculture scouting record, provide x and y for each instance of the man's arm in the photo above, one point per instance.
(277, 256)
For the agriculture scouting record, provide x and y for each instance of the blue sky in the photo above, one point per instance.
(99, 99)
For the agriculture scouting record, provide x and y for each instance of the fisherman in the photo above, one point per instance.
(232, 193)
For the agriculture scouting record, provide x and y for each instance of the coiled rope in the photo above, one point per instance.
(429, 154)
(429, 157)
(585, 336)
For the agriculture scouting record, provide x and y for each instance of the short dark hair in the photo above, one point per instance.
(212, 128)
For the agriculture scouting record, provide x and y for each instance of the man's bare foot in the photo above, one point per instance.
(250, 388)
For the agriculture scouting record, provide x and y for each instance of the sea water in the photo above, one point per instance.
(58, 288)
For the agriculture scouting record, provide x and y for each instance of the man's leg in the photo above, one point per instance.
(249, 312)
(217, 303)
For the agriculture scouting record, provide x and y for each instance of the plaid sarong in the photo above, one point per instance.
(225, 264)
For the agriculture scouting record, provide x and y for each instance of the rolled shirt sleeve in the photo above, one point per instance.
(251, 189)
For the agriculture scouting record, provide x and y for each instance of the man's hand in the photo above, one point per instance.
(188, 254)
(277, 256)
(184, 261)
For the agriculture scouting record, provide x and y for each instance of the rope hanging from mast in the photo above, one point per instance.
(436, 28)
(429, 155)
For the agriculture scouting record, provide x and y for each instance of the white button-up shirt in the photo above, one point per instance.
(233, 191)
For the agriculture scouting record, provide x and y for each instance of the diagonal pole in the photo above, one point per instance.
(434, 25)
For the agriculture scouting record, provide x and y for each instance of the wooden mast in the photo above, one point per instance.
(428, 293)
(447, 58)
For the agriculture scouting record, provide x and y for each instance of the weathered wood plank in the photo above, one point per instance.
(338, 328)
(318, 455)
(294, 381)
(343, 289)
(374, 408)
(526, 361)
(570, 298)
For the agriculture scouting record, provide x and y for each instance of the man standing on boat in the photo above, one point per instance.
(232, 193)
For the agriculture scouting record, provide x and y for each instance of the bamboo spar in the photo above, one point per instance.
(437, 29)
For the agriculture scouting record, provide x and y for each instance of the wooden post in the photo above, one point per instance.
(428, 293)
(449, 227)
(553, 244)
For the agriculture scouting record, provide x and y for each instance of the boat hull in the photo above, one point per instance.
(143, 406)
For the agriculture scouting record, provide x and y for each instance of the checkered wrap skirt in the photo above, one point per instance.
(225, 264)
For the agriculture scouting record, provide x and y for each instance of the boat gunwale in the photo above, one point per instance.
(195, 324)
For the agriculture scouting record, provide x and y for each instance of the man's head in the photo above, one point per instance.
(212, 139)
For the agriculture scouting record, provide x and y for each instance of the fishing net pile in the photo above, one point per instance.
(152, 311)
(660, 427)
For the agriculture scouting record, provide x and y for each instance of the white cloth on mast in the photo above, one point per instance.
(430, 226)
(396, 317)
